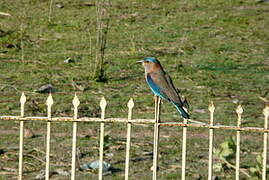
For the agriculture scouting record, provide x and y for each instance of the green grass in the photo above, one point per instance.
(214, 51)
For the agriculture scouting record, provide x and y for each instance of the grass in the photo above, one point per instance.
(214, 50)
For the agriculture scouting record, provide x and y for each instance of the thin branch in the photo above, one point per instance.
(230, 165)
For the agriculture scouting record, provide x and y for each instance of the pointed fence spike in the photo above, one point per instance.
(22, 101)
(49, 101)
(211, 107)
(130, 106)
(76, 101)
(239, 110)
(266, 111)
(23, 98)
(103, 103)
(130, 103)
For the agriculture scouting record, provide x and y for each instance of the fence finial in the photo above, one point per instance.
(130, 103)
(75, 101)
(130, 106)
(211, 107)
(23, 98)
(266, 111)
(49, 103)
(239, 110)
(22, 101)
(103, 104)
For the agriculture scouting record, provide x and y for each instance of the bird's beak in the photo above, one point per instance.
(141, 61)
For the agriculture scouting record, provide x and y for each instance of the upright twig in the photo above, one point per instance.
(102, 21)
(23, 22)
(50, 10)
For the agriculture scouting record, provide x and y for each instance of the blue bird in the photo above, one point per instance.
(161, 84)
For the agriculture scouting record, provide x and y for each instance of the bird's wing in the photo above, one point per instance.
(154, 86)
(172, 93)
(170, 82)
(166, 86)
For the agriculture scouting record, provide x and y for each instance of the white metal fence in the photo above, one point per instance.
(129, 121)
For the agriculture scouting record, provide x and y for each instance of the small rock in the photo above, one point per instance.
(59, 5)
(216, 178)
(62, 172)
(69, 60)
(152, 168)
(147, 153)
(95, 166)
(9, 45)
(263, 1)
(2, 151)
(110, 155)
(199, 110)
(235, 101)
(48, 88)
(41, 175)
(86, 3)
(28, 133)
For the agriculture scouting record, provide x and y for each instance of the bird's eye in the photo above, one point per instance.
(146, 62)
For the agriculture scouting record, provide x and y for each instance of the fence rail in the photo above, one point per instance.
(129, 121)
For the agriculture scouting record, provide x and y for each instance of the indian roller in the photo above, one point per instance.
(161, 84)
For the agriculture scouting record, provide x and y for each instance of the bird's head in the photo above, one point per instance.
(150, 63)
(149, 60)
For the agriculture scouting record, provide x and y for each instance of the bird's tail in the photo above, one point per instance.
(182, 111)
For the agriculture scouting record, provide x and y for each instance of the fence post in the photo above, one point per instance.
(156, 137)
(22, 101)
(184, 144)
(103, 104)
(265, 141)
(49, 103)
(75, 103)
(239, 111)
(211, 109)
(128, 138)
